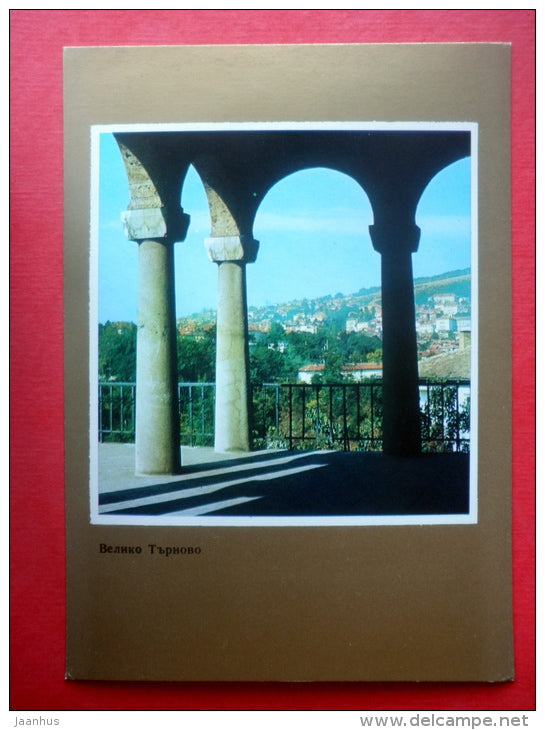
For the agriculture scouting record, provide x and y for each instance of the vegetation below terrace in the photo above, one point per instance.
(275, 356)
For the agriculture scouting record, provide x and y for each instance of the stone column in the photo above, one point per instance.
(233, 404)
(401, 411)
(157, 417)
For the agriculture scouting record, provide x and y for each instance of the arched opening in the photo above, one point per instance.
(444, 217)
(196, 277)
(443, 275)
(316, 275)
(117, 256)
(313, 232)
(442, 268)
(314, 309)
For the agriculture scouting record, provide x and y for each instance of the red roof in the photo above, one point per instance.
(350, 367)
(311, 368)
(362, 366)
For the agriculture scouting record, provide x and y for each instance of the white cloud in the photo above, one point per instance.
(337, 222)
(444, 225)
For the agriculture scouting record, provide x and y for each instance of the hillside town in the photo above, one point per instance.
(443, 328)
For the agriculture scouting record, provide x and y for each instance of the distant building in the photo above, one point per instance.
(445, 325)
(357, 371)
(319, 317)
(464, 339)
(362, 370)
(307, 372)
(354, 325)
(455, 363)
(311, 328)
(425, 328)
(463, 324)
(280, 346)
(443, 299)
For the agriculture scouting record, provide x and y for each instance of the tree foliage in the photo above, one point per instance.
(268, 366)
(117, 351)
(197, 357)
(275, 356)
(333, 417)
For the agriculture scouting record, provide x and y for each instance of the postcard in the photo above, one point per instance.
(287, 364)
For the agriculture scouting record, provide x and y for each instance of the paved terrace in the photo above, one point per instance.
(286, 483)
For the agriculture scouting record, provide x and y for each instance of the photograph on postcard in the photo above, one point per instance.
(284, 323)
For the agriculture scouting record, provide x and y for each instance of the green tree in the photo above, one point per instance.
(332, 370)
(308, 347)
(117, 351)
(445, 423)
(374, 355)
(197, 357)
(275, 334)
(268, 366)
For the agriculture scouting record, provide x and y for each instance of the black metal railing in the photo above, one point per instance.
(346, 416)
(116, 411)
(445, 414)
(196, 404)
(342, 416)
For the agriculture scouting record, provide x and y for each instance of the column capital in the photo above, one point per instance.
(393, 237)
(241, 249)
(161, 223)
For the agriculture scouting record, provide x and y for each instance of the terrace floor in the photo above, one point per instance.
(285, 483)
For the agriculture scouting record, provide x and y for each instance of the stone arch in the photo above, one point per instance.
(155, 173)
(231, 207)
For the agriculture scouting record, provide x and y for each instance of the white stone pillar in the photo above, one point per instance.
(233, 404)
(157, 418)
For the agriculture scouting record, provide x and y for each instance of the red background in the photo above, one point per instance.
(37, 515)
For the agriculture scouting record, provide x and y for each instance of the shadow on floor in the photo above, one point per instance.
(304, 484)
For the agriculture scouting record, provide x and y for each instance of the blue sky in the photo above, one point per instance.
(313, 233)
